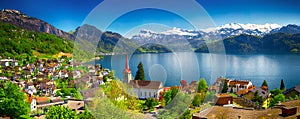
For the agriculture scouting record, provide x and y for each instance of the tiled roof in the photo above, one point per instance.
(145, 84)
(233, 82)
(223, 95)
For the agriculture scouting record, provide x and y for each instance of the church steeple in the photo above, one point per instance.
(126, 64)
(127, 76)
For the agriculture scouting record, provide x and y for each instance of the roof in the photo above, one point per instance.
(233, 82)
(145, 84)
(75, 104)
(223, 95)
(296, 88)
(41, 99)
(242, 92)
(261, 92)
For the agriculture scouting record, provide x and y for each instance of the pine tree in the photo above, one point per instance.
(282, 87)
(140, 74)
(265, 83)
(225, 87)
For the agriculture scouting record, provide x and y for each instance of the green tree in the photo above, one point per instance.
(202, 86)
(12, 100)
(150, 103)
(186, 115)
(86, 115)
(140, 74)
(197, 100)
(275, 92)
(257, 98)
(224, 87)
(278, 98)
(176, 108)
(265, 83)
(282, 87)
(61, 112)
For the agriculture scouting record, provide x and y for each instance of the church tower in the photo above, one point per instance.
(127, 76)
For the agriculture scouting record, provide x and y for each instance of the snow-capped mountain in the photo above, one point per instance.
(223, 31)
(234, 29)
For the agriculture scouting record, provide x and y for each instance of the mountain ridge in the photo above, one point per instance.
(21, 20)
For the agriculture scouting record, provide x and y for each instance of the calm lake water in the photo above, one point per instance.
(170, 68)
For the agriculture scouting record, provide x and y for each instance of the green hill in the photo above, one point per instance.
(16, 41)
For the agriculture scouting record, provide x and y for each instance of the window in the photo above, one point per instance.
(145, 94)
(141, 93)
(149, 94)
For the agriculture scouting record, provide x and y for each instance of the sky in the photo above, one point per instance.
(69, 14)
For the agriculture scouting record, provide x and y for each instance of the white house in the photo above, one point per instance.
(146, 89)
(142, 89)
(237, 85)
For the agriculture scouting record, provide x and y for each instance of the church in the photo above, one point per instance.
(142, 89)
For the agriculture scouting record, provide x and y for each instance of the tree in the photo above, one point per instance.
(86, 115)
(202, 86)
(278, 98)
(186, 115)
(282, 87)
(13, 100)
(140, 74)
(169, 95)
(257, 98)
(197, 100)
(61, 112)
(275, 92)
(150, 103)
(225, 87)
(176, 108)
(265, 83)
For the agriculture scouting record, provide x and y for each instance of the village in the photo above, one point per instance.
(64, 82)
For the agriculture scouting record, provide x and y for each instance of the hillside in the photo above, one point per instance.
(15, 41)
(23, 21)
(270, 43)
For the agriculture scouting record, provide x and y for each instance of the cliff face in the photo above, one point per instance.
(21, 20)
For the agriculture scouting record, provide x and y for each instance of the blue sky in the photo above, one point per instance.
(69, 14)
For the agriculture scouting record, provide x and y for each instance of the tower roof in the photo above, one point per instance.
(126, 64)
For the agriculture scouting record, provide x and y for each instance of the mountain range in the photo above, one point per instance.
(106, 41)
(224, 31)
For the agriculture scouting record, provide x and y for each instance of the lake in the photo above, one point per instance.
(170, 68)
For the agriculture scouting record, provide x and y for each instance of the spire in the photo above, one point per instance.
(127, 66)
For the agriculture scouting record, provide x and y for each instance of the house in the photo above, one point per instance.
(143, 89)
(261, 92)
(236, 85)
(223, 99)
(146, 89)
(292, 92)
(288, 111)
(6, 62)
(76, 105)
(32, 102)
(30, 88)
(233, 85)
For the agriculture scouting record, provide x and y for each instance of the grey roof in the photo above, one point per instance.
(296, 88)
(145, 84)
(261, 92)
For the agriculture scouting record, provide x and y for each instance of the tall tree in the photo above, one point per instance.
(225, 87)
(202, 86)
(282, 87)
(61, 112)
(197, 100)
(12, 100)
(265, 83)
(140, 74)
